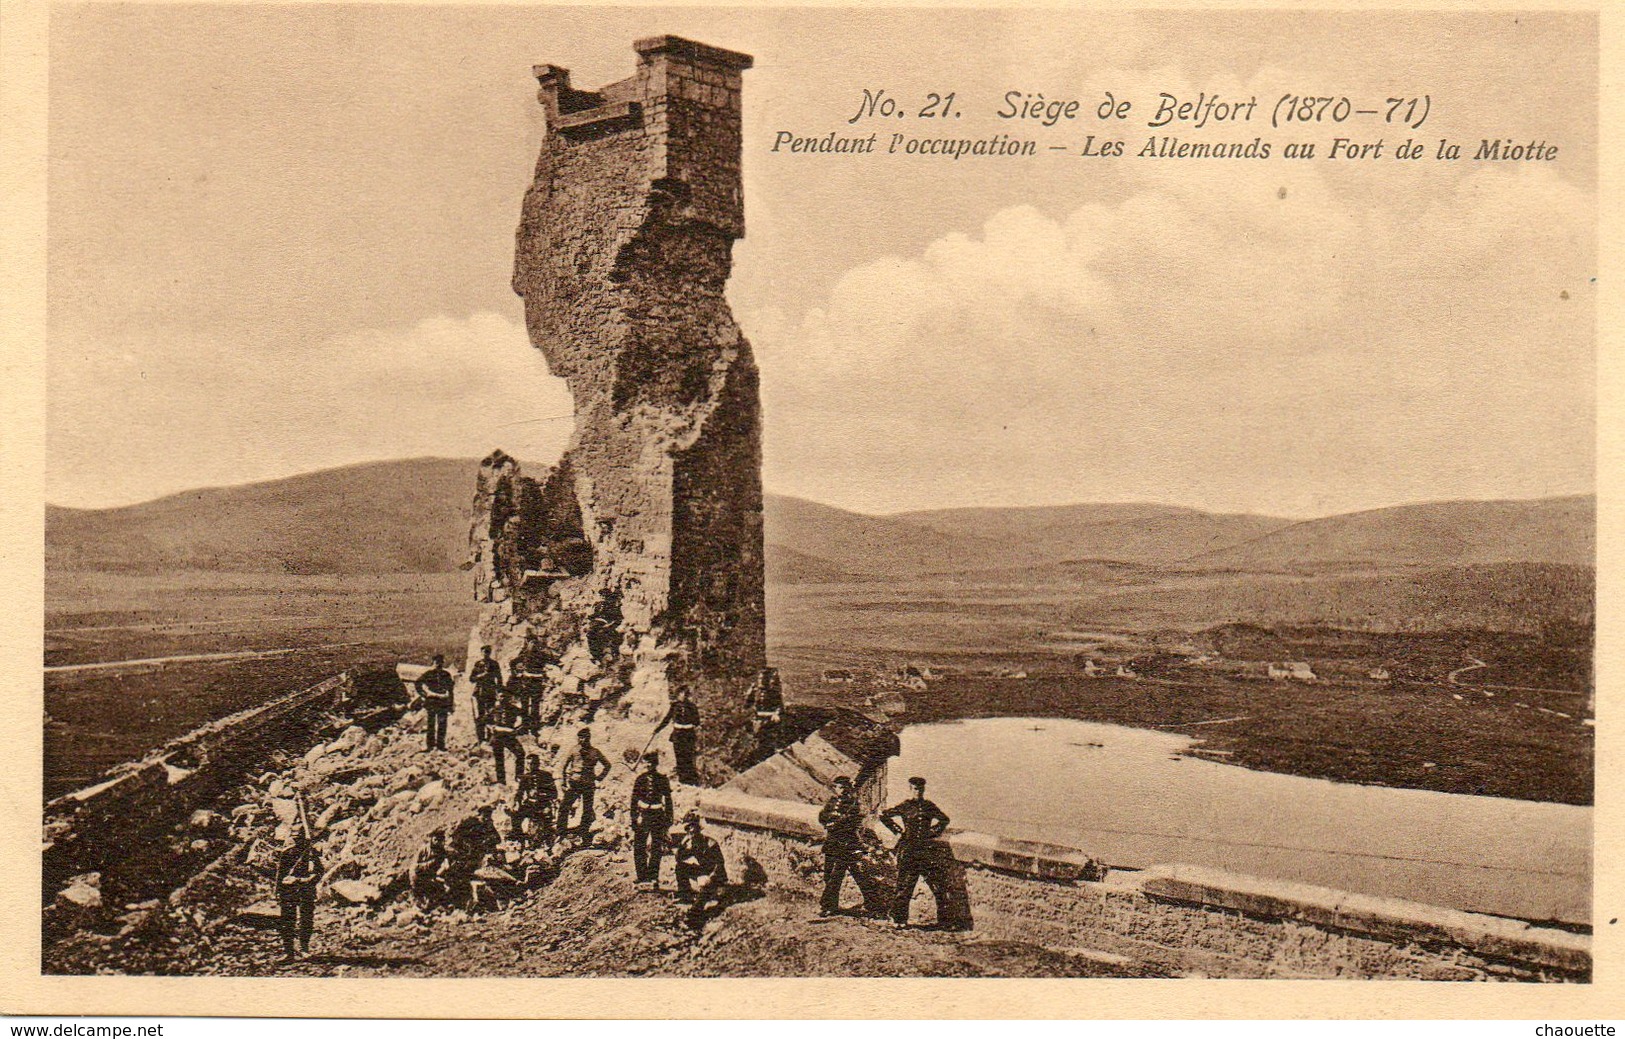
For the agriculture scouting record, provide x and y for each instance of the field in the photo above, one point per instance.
(1513, 727)
(307, 628)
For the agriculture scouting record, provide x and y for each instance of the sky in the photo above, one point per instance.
(281, 237)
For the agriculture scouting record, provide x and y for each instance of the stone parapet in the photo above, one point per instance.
(1176, 918)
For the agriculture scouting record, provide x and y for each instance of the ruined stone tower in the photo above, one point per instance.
(634, 567)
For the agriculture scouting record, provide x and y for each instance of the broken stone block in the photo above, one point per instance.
(286, 810)
(84, 891)
(431, 794)
(355, 892)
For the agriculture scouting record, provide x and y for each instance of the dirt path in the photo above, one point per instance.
(191, 658)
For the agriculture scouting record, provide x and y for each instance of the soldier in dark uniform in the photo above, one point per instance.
(502, 722)
(427, 877)
(702, 873)
(842, 819)
(297, 869)
(526, 683)
(535, 800)
(766, 697)
(919, 824)
(684, 718)
(581, 772)
(434, 688)
(486, 677)
(652, 817)
(472, 841)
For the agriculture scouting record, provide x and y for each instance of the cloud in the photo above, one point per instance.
(1260, 340)
(157, 412)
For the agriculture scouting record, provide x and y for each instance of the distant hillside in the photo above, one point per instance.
(411, 516)
(1453, 533)
(408, 516)
(787, 566)
(1133, 533)
(880, 545)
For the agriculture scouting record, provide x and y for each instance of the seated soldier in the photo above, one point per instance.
(492, 885)
(534, 802)
(471, 842)
(701, 872)
(427, 877)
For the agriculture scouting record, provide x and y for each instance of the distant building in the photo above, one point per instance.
(839, 676)
(1380, 674)
(1092, 669)
(1125, 671)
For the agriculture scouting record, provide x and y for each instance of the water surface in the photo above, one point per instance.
(1127, 796)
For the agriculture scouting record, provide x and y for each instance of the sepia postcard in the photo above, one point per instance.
(601, 503)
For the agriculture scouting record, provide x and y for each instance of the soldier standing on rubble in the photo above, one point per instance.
(486, 677)
(767, 697)
(684, 718)
(502, 722)
(526, 687)
(297, 868)
(842, 819)
(434, 688)
(652, 817)
(583, 768)
(918, 823)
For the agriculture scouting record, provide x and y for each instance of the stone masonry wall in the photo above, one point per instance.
(1178, 920)
(634, 568)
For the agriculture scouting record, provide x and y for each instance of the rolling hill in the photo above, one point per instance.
(1450, 533)
(1156, 535)
(411, 516)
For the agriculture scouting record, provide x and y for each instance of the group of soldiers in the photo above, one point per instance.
(504, 711)
(918, 825)
(544, 810)
(476, 866)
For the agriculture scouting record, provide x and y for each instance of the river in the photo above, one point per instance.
(1129, 797)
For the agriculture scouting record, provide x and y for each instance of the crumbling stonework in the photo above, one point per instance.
(634, 568)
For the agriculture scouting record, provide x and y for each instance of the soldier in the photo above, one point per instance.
(502, 723)
(486, 676)
(701, 871)
(427, 877)
(684, 718)
(767, 697)
(583, 768)
(918, 824)
(434, 688)
(842, 819)
(297, 868)
(474, 839)
(526, 687)
(536, 801)
(652, 816)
